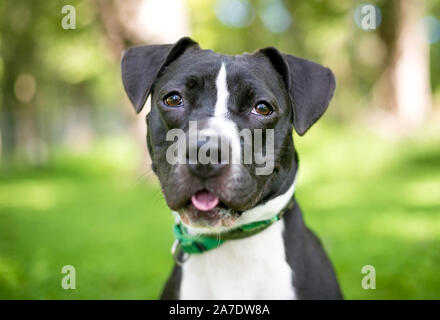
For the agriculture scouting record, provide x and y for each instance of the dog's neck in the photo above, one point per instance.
(249, 268)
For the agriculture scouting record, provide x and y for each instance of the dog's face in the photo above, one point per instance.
(264, 95)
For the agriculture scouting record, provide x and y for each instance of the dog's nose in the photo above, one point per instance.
(205, 159)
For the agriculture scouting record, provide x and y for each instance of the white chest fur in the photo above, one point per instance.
(250, 268)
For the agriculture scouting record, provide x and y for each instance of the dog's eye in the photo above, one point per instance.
(173, 99)
(262, 108)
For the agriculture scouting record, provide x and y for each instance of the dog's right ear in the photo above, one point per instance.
(141, 66)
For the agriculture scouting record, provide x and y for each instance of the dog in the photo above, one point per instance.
(240, 235)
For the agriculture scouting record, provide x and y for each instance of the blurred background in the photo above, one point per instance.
(76, 186)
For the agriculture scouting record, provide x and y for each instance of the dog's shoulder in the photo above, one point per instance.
(314, 276)
(172, 286)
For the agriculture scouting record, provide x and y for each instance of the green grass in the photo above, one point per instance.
(371, 200)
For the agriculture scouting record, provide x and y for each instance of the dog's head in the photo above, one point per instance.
(202, 94)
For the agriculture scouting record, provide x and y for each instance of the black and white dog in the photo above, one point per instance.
(225, 94)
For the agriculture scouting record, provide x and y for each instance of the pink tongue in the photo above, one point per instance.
(204, 200)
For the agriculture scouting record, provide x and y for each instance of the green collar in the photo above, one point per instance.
(197, 244)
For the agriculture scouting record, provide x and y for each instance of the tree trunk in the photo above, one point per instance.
(404, 87)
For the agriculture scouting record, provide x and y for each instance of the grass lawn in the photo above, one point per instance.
(372, 201)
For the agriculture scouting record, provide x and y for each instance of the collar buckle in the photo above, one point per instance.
(180, 257)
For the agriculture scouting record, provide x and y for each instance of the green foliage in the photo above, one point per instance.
(322, 31)
(33, 41)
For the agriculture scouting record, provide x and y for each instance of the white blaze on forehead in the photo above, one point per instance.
(220, 122)
(221, 106)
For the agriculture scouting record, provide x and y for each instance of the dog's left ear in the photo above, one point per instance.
(310, 87)
(142, 65)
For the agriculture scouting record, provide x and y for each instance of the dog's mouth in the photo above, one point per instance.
(205, 209)
(204, 201)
